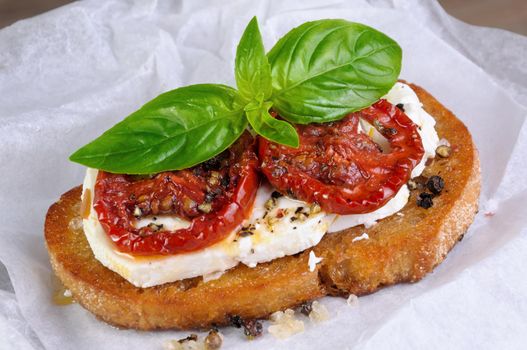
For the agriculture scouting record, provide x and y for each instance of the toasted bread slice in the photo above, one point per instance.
(400, 248)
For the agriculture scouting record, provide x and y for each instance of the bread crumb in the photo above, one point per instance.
(319, 313)
(189, 343)
(490, 208)
(361, 237)
(353, 300)
(313, 261)
(284, 324)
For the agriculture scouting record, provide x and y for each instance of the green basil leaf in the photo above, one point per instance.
(252, 70)
(272, 129)
(176, 130)
(325, 69)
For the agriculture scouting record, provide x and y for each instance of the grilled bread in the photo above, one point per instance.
(400, 248)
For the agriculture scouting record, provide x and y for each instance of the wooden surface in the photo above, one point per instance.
(506, 14)
(14, 10)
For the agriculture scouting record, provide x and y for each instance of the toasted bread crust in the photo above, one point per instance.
(401, 248)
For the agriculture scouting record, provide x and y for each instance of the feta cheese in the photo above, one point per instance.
(361, 237)
(313, 261)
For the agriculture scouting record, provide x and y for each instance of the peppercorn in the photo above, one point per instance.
(412, 184)
(236, 321)
(155, 227)
(137, 212)
(213, 180)
(252, 328)
(314, 208)
(209, 197)
(400, 106)
(166, 203)
(389, 131)
(214, 340)
(278, 171)
(425, 200)
(225, 181)
(306, 308)
(213, 163)
(435, 184)
(443, 151)
(383, 129)
(245, 233)
(270, 203)
(205, 207)
(276, 194)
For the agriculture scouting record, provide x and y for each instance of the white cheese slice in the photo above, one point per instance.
(272, 238)
(399, 94)
(403, 94)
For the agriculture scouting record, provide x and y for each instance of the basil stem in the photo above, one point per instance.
(272, 129)
(253, 78)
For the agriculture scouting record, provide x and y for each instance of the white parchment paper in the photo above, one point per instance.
(69, 74)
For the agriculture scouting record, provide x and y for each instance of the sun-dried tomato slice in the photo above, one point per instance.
(216, 196)
(341, 168)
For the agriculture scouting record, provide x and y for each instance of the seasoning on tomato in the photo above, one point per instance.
(342, 169)
(215, 196)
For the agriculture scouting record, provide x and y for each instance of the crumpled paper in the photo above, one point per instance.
(69, 74)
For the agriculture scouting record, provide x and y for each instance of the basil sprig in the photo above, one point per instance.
(325, 69)
(318, 72)
(253, 78)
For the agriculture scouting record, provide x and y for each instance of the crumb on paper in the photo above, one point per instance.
(313, 261)
(284, 324)
(353, 300)
(319, 313)
(361, 237)
(189, 343)
(490, 208)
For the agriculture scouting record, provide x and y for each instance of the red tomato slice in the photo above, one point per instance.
(342, 169)
(216, 196)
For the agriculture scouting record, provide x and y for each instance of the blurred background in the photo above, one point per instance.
(505, 14)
